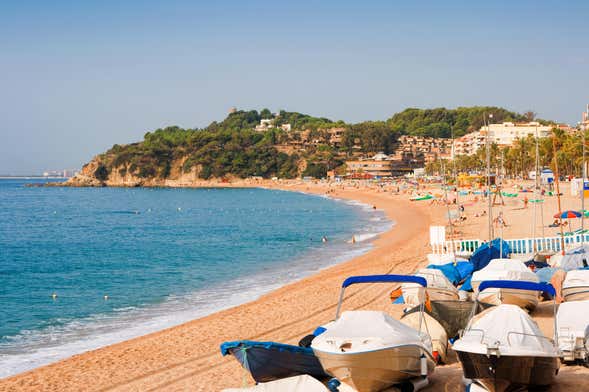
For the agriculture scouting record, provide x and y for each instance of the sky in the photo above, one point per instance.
(77, 77)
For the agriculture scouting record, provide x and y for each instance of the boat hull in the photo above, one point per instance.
(268, 362)
(414, 295)
(505, 372)
(579, 293)
(376, 370)
(524, 299)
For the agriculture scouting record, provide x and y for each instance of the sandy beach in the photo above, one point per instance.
(187, 357)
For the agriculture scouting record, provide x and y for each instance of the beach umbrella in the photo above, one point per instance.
(569, 214)
(586, 213)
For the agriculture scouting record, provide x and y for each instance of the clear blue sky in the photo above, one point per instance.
(77, 77)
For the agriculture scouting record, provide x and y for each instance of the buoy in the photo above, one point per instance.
(106, 297)
(54, 296)
(179, 209)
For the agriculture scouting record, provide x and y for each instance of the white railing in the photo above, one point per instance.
(517, 246)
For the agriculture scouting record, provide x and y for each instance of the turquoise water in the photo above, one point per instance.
(162, 256)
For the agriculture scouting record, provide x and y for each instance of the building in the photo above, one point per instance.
(417, 151)
(504, 135)
(336, 136)
(268, 123)
(265, 124)
(380, 165)
(585, 120)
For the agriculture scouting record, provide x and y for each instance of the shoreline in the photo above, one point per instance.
(98, 376)
(157, 317)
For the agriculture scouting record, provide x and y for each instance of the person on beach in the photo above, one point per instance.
(526, 201)
(500, 220)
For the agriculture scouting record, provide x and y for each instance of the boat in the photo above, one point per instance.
(303, 383)
(435, 330)
(439, 288)
(503, 349)
(269, 361)
(506, 269)
(573, 330)
(369, 350)
(421, 197)
(576, 286)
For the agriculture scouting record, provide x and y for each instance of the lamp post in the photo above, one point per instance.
(488, 150)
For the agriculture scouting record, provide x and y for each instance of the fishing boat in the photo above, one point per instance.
(576, 286)
(439, 288)
(369, 350)
(573, 330)
(269, 361)
(506, 269)
(503, 349)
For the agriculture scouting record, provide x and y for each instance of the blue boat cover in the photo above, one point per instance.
(487, 252)
(467, 285)
(455, 273)
(268, 361)
(384, 279)
(519, 285)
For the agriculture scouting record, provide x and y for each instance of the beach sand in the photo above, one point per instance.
(187, 357)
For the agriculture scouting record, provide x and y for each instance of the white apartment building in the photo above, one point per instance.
(504, 134)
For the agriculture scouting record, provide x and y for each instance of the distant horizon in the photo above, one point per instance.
(80, 77)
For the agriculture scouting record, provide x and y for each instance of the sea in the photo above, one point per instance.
(81, 268)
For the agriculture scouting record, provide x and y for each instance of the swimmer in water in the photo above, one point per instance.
(353, 239)
(324, 239)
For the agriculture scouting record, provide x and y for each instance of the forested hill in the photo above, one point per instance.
(233, 147)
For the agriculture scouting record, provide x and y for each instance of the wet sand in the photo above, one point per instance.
(187, 357)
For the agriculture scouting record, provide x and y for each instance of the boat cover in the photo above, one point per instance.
(367, 330)
(507, 328)
(575, 258)
(413, 293)
(455, 273)
(302, 383)
(268, 361)
(485, 253)
(576, 278)
(573, 321)
(505, 269)
(434, 329)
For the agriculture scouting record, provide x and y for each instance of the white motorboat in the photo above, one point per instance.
(576, 286)
(573, 330)
(503, 349)
(369, 350)
(439, 288)
(506, 269)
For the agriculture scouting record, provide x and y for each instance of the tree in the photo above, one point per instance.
(265, 114)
